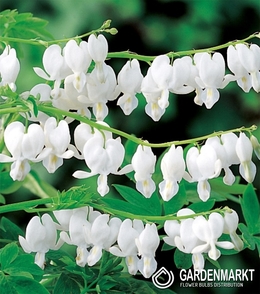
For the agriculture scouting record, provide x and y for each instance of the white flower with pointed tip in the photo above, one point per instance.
(103, 158)
(202, 165)
(211, 76)
(256, 145)
(147, 243)
(79, 229)
(230, 227)
(181, 235)
(57, 138)
(78, 59)
(98, 49)
(173, 168)
(40, 237)
(249, 58)
(102, 235)
(155, 87)
(226, 153)
(9, 67)
(129, 83)
(143, 163)
(183, 72)
(100, 92)
(209, 231)
(244, 150)
(128, 232)
(24, 147)
(54, 65)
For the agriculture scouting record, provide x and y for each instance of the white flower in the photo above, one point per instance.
(226, 153)
(155, 87)
(40, 236)
(54, 65)
(211, 76)
(128, 232)
(202, 165)
(79, 229)
(129, 82)
(173, 168)
(244, 62)
(244, 150)
(99, 92)
(78, 59)
(230, 227)
(103, 234)
(147, 243)
(9, 67)
(103, 158)
(181, 235)
(143, 163)
(57, 138)
(256, 145)
(98, 49)
(209, 231)
(183, 76)
(24, 147)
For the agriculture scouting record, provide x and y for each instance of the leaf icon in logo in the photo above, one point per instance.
(167, 282)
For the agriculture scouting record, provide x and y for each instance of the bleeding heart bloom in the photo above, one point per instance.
(173, 168)
(244, 150)
(9, 67)
(24, 147)
(147, 243)
(209, 231)
(143, 163)
(129, 82)
(40, 237)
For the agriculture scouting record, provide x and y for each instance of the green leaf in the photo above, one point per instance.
(24, 265)
(202, 206)
(182, 260)
(257, 242)
(247, 236)
(66, 285)
(251, 210)
(106, 283)
(22, 285)
(150, 206)
(9, 229)
(7, 184)
(22, 25)
(8, 254)
(218, 185)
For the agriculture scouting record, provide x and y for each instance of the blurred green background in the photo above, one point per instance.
(151, 28)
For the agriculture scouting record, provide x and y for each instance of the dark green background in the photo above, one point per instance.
(153, 28)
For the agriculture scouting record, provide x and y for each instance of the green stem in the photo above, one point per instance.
(27, 206)
(83, 119)
(24, 205)
(123, 54)
(133, 138)
(151, 218)
(130, 55)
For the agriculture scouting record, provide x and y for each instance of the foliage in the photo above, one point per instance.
(18, 272)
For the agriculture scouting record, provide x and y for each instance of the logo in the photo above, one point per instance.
(166, 276)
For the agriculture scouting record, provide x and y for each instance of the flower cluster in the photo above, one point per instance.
(199, 235)
(82, 79)
(92, 232)
(104, 155)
